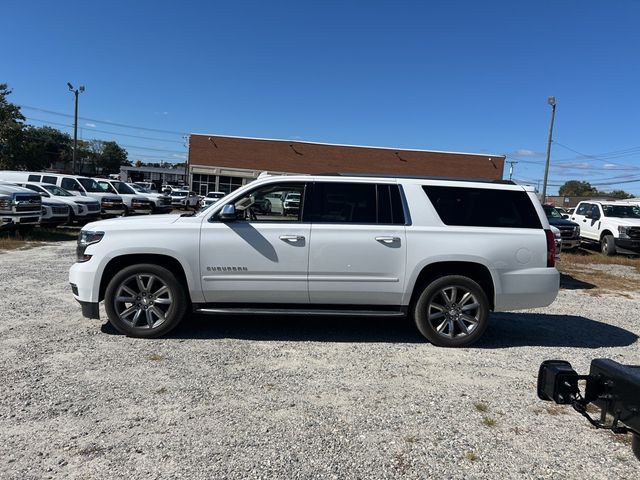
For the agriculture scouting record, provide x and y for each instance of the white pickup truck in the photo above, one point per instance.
(443, 252)
(615, 226)
(20, 208)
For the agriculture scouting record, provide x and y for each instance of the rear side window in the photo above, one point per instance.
(480, 207)
(34, 178)
(49, 179)
(342, 202)
(70, 184)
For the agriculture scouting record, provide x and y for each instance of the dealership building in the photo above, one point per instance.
(224, 163)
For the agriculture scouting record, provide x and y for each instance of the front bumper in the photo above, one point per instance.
(90, 309)
(570, 243)
(628, 244)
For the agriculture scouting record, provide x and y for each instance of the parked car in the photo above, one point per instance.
(81, 209)
(110, 205)
(557, 235)
(150, 187)
(291, 204)
(184, 199)
(20, 208)
(444, 252)
(613, 225)
(211, 198)
(569, 230)
(134, 203)
(160, 202)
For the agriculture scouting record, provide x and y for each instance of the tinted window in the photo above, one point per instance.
(70, 184)
(480, 207)
(49, 179)
(34, 178)
(343, 203)
(390, 209)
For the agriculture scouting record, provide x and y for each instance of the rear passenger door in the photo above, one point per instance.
(357, 248)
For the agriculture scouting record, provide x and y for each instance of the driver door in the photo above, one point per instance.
(260, 257)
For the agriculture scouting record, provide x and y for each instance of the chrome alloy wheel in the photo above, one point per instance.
(453, 312)
(142, 301)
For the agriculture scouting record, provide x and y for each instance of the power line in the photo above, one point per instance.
(105, 131)
(123, 125)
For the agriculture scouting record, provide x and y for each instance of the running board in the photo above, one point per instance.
(296, 311)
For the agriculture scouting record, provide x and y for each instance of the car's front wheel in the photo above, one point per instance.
(608, 245)
(145, 301)
(452, 311)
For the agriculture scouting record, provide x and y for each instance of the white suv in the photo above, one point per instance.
(443, 252)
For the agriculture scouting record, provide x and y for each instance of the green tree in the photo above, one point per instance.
(111, 158)
(42, 147)
(619, 194)
(576, 188)
(11, 126)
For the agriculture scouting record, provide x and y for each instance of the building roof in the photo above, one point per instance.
(312, 157)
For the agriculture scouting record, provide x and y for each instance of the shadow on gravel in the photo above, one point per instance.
(567, 282)
(295, 329)
(505, 330)
(541, 330)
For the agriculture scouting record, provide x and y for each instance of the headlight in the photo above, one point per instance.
(85, 239)
(578, 230)
(623, 231)
(80, 209)
(5, 203)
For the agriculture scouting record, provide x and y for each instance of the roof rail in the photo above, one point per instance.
(417, 177)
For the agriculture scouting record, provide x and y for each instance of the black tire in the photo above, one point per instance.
(608, 245)
(168, 308)
(455, 308)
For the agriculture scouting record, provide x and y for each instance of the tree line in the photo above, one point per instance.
(27, 147)
(577, 188)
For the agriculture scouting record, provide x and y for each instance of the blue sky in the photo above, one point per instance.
(444, 75)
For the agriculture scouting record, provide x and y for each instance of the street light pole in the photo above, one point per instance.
(551, 101)
(76, 92)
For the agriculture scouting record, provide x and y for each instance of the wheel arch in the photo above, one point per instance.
(473, 270)
(605, 232)
(118, 263)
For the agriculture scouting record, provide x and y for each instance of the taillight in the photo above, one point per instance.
(551, 248)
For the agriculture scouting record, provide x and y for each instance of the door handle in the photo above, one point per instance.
(387, 240)
(291, 238)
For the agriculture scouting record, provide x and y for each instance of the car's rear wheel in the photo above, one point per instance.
(452, 311)
(608, 245)
(145, 301)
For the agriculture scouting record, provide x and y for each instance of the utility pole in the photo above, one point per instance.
(76, 92)
(551, 101)
(511, 164)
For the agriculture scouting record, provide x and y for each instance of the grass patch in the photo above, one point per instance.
(580, 267)
(471, 456)
(489, 422)
(17, 240)
(481, 407)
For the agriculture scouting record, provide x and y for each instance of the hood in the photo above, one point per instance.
(627, 222)
(84, 200)
(128, 223)
(52, 201)
(561, 222)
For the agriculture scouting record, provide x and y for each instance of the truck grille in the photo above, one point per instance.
(92, 207)
(60, 210)
(633, 232)
(27, 203)
(567, 231)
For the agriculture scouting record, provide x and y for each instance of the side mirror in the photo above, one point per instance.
(565, 216)
(228, 213)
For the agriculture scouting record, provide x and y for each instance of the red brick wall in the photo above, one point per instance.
(301, 157)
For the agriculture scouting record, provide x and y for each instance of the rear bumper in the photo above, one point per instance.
(528, 288)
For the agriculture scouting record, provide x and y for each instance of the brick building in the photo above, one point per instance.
(223, 163)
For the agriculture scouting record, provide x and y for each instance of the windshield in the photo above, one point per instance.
(551, 212)
(215, 195)
(621, 211)
(138, 188)
(122, 187)
(90, 185)
(179, 193)
(105, 187)
(57, 191)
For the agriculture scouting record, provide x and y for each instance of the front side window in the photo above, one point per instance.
(71, 184)
(483, 207)
(583, 209)
(280, 202)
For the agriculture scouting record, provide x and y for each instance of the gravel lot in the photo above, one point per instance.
(295, 398)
